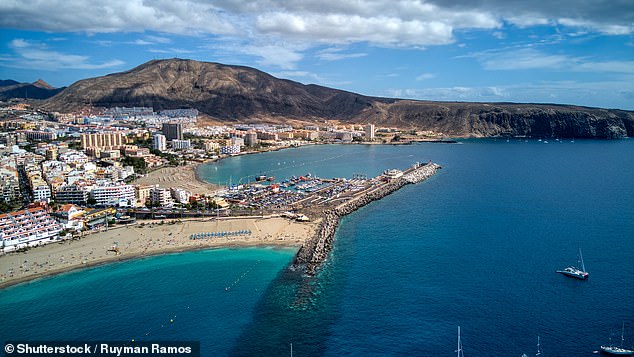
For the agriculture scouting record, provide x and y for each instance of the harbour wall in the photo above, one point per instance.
(315, 251)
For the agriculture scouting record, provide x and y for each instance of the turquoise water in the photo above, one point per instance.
(476, 246)
(137, 299)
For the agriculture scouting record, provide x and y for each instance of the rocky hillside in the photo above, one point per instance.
(36, 90)
(232, 93)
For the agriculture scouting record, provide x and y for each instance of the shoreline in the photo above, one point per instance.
(157, 238)
(60, 271)
(313, 239)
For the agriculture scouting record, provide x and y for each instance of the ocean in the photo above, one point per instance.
(475, 246)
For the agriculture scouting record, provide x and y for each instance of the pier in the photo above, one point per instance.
(316, 249)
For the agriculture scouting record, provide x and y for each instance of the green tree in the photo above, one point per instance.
(139, 165)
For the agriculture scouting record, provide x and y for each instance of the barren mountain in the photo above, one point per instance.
(235, 93)
(36, 90)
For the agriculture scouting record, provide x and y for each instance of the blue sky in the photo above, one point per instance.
(569, 52)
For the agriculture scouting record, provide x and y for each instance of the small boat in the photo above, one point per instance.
(618, 351)
(575, 272)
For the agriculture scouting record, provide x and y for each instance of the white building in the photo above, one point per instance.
(161, 196)
(41, 192)
(181, 144)
(180, 195)
(211, 145)
(393, 173)
(28, 227)
(237, 141)
(230, 149)
(111, 194)
(159, 142)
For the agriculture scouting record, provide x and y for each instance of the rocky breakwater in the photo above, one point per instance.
(315, 251)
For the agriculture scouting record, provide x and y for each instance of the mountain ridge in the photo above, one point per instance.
(39, 89)
(239, 93)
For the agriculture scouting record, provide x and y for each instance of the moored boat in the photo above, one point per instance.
(618, 350)
(575, 272)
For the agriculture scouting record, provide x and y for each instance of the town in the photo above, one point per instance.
(64, 175)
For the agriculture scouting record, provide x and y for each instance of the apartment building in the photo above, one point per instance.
(27, 227)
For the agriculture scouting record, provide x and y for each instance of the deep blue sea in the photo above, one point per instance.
(475, 246)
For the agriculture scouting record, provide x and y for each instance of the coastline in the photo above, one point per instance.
(156, 238)
(313, 239)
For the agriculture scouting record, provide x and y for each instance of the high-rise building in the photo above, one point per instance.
(102, 141)
(172, 131)
(369, 132)
(159, 142)
(251, 138)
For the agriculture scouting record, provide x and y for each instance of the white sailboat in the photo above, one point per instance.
(575, 272)
(618, 351)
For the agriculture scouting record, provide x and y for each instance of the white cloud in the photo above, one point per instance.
(141, 42)
(335, 54)
(274, 55)
(425, 76)
(608, 29)
(259, 26)
(299, 75)
(179, 16)
(158, 39)
(171, 51)
(609, 93)
(37, 55)
(344, 29)
(451, 93)
(531, 58)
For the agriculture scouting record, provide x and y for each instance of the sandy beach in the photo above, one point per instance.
(181, 176)
(148, 238)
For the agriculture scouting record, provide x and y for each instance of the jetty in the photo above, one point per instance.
(316, 249)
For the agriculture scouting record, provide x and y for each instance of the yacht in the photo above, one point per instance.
(618, 351)
(575, 272)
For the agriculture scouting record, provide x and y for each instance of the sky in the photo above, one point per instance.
(540, 51)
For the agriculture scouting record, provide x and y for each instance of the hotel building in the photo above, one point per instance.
(102, 141)
(172, 131)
